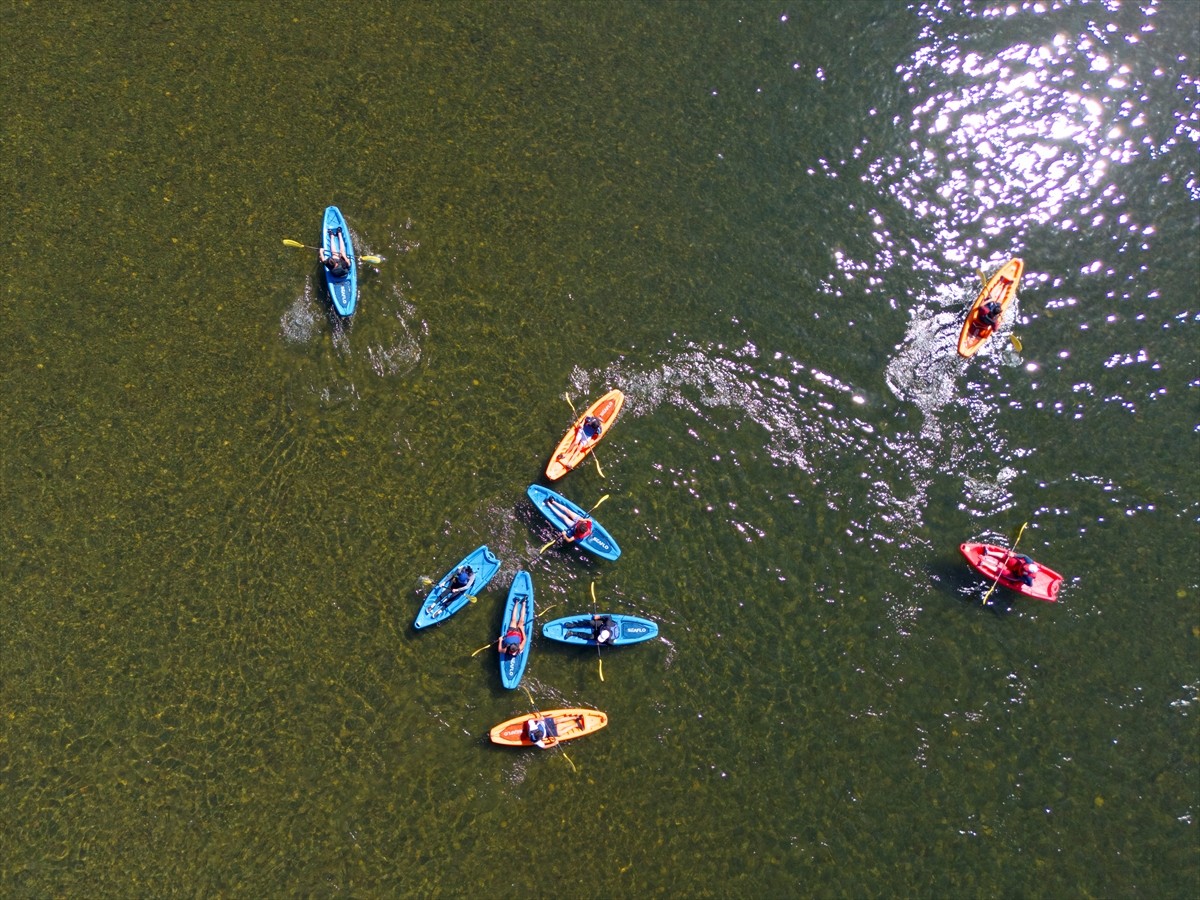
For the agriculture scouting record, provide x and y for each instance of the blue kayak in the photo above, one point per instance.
(520, 595)
(583, 629)
(552, 505)
(343, 289)
(442, 602)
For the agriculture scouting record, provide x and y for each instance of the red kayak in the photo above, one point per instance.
(986, 559)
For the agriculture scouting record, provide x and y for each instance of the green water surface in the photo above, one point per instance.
(222, 507)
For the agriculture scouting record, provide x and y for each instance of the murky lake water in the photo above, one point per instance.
(764, 224)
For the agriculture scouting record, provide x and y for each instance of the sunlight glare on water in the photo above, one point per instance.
(1019, 136)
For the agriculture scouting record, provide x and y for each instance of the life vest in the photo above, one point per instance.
(581, 529)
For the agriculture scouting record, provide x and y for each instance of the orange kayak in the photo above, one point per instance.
(1001, 287)
(557, 724)
(578, 443)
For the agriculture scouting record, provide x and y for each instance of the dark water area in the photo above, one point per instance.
(764, 223)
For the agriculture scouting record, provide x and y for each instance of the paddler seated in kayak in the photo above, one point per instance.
(592, 428)
(578, 527)
(589, 433)
(512, 642)
(337, 262)
(1021, 568)
(543, 732)
(602, 629)
(987, 317)
(598, 629)
(460, 581)
(1017, 567)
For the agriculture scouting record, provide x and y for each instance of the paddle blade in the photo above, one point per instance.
(294, 244)
(1018, 539)
(598, 502)
(480, 650)
(598, 469)
(601, 669)
(1016, 342)
(373, 260)
(567, 397)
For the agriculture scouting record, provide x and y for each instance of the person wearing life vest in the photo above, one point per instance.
(1021, 568)
(987, 317)
(602, 629)
(579, 530)
(336, 261)
(512, 642)
(591, 430)
(542, 732)
(578, 527)
(460, 581)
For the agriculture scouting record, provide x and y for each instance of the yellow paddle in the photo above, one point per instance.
(567, 397)
(1000, 568)
(366, 259)
(598, 656)
(1016, 341)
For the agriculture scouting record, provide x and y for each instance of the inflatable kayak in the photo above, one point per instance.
(1001, 287)
(443, 601)
(562, 514)
(986, 559)
(548, 727)
(335, 236)
(586, 628)
(520, 597)
(579, 441)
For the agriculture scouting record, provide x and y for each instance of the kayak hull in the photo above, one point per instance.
(570, 452)
(436, 609)
(343, 291)
(1001, 287)
(512, 668)
(986, 559)
(599, 542)
(578, 630)
(571, 723)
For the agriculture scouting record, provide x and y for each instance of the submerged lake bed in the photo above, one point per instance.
(764, 224)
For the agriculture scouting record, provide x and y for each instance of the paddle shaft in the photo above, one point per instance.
(1003, 562)
(598, 654)
(368, 259)
(595, 458)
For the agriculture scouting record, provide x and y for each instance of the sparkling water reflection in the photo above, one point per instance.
(762, 224)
